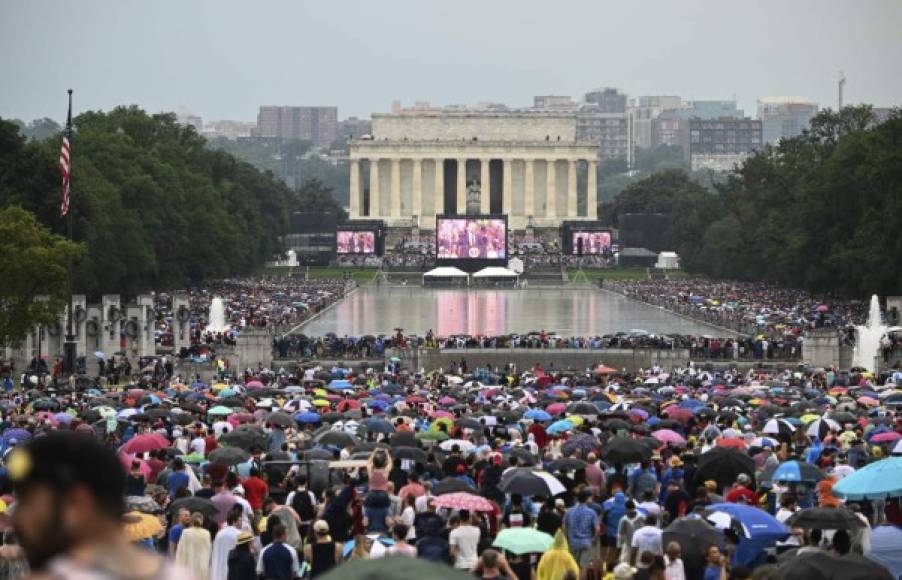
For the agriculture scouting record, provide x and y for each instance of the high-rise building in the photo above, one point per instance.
(710, 110)
(354, 128)
(318, 125)
(721, 144)
(609, 131)
(608, 100)
(783, 117)
(644, 110)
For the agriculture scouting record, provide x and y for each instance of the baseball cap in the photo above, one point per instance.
(238, 490)
(321, 526)
(244, 538)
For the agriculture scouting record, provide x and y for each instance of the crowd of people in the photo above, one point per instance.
(669, 474)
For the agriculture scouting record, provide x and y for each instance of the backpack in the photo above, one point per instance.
(302, 504)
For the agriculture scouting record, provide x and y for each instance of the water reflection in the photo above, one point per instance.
(569, 312)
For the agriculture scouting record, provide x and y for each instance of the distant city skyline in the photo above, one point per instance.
(225, 59)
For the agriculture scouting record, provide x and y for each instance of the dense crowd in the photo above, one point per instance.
(675, 474)
(750, 307)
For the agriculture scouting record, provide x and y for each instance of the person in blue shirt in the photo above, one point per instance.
(614, 510)
(177, 479)
(581, 525)
(716, 564)
(175, 532)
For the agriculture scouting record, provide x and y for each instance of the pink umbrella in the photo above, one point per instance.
(556, 408)
(145, 443)
(869, 401)
(464, 501)
(447, 401)
(437, 414)
(668, 436)
(678, 414)
(47, 416)
(127, 460)
(887, 437)
(254, 385)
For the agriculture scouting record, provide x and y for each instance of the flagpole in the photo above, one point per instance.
(70, 346)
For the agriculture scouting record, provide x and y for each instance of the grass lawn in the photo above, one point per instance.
(360, 275)
(620, 274)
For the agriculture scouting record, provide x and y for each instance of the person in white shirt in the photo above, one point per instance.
(464, 542)
(647, 539)
(198, 445)
(422, 502)
(674, 563)
(246, 509)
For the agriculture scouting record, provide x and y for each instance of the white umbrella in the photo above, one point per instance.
(465, 446)
(777, 426)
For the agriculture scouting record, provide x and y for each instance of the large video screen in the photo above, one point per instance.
(590, 242)
(471, 238)
(355, 242)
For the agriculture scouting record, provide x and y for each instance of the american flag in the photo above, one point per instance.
(65, 168)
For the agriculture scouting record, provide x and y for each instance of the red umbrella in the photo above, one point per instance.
(347, 404)
(735, 443)
(463, 501)
(145, 443)
(678, 414)
(605, 370)
(887, 437)
(556, 408)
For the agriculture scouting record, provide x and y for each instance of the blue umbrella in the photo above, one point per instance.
(378, 426)
(293, 389)
(537, 415)
(559, 427)
(885, 542)
(878, 480)
(691, 404)
(379, 405)
(340, 384)
(757, 529)
(225, 393)
(307, 417)
(797, 471)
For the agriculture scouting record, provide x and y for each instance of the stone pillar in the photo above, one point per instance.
(592, 190)
(485, 200)
(181, 322)
(417, 192)
(395, 194)
(438, 190)
(374, 189)
(354, 190)
(461, 186)
(550, 188)
(79, 320)
(146, 322)
(112, 315)
(821, 347)
(528, 190)
(571, 188)
(506, 187)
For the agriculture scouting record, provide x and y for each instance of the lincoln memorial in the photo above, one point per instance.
(526, 165)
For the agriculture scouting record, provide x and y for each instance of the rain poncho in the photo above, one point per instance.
(556, 562)
(614, 508)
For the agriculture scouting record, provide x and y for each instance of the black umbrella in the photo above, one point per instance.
(337, 438)
(567, 464)
(194, 504)
(182, 419)
(623, 450)
(228, 456)
(532, 483)
(332, 417)
(245, 439)
(582, 409)
(391, 569)
(723, 465)
(319, 453)
(616, 424)
(378, 426)
(524, 457)
(281, 419)
(451, 485)
(412, 453)
(824, 519)
(157, 413)
(823, 566)
(469, 423)
(694, 535)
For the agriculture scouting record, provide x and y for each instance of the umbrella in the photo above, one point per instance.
(694, 535)
(462, 444)
(757, 529)
(411, 453)
(280, 419)
(319, 453)
(669, 436)
(533, 483)
(138, 526)
(307, 417)
(778, 427)
(220, 410)
(623, 450)
(559, 427)
(583, 442)
(463, 501)
(246, 437)
(794, 471)
(537, 415)
(142, 503)
(523, 456)
(823, 566)
(567, 464)
(194, 504)
(885, 542)
(337, 438)
(145, 443)
(878, 480)
(378, 426)
(452, 485)
(395, 568)
(228, 455)
(825, 519)
(820, 427)
(404, 438)
(723, 464)
(523, 541)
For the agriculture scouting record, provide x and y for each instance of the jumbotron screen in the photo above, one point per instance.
(355, 242)
(592, 242)
(471, 238)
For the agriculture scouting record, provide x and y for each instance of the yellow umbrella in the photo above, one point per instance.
(320, 392)
(138, 526)
(809, 418)
(321, 403)
(441, 421)
(218, 387)
(756, 402)
(576, 420)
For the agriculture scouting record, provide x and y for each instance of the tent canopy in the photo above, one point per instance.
(445, 272)
(495, 272)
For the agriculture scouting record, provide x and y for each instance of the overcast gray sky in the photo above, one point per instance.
(221, 59)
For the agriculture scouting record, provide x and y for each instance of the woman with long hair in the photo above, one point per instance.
(195, 548)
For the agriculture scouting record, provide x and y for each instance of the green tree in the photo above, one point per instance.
(315, 196)
(33, 262)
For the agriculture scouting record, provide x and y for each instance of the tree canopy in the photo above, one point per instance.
(154, 205)
(818, 211)
(33, 262)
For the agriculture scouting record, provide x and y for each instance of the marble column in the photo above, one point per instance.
(592, 190)
(461, 186)
(438, 190)
(506, 187)
(528, 190)
(485, 200)
(395, 194)
(354, 190)
(550, 188)
(417, 192)
(375, 210)
(571, 188)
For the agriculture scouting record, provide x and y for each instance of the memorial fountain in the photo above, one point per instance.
(868, 336)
